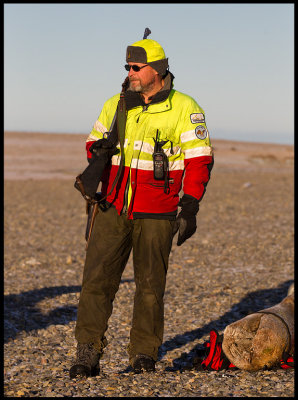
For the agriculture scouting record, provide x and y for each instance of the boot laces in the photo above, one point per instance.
(87, 354)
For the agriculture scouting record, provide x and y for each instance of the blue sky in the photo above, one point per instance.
(63, 61)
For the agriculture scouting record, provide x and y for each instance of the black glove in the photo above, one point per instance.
(102, 147)
(100, 144)
(186, 220)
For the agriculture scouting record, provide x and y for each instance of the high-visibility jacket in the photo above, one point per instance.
(181, 122)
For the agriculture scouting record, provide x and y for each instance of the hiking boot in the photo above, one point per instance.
(143, 363)
(87, 361)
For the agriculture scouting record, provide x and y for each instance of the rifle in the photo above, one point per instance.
(87, 182)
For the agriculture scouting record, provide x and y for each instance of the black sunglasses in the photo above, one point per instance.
(136, 68)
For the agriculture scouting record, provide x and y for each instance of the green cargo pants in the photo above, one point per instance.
(111, 241)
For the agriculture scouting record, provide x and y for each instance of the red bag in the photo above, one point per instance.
(287, 361)
(215, 358)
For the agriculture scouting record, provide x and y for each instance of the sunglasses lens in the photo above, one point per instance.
(136, 68)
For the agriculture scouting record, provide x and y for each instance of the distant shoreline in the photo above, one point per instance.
(85, 135)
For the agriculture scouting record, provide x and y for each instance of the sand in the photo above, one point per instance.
(240, 260)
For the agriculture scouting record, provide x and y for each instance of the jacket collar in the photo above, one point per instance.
(134, 99)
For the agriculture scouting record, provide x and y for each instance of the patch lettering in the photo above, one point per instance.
(201, 132)
(196, 118)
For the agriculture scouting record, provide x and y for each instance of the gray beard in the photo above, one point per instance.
(142, 88)
(137, 88)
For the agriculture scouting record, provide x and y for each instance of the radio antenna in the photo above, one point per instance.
(146, 33)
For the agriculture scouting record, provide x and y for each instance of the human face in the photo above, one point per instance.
(142, 81)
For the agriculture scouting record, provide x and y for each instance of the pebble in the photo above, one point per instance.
(240, 259)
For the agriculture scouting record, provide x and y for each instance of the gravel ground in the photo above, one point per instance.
(239, 261)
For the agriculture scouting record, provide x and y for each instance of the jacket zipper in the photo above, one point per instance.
(125, 205)
(145, 108)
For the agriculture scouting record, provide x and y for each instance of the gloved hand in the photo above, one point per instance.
(186, 220)
(102, 147)
(99, 144)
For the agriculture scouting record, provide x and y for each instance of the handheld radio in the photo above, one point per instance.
(160, 160)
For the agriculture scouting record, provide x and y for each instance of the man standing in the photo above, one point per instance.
(166, 141)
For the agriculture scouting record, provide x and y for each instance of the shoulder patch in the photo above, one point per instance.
(196, 118)
(201, 132)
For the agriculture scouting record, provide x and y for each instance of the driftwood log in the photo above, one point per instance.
(259, 339)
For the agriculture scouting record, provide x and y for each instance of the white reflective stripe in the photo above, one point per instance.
(176, 150)
(176, 165)
(115, 160)
(137, 144)
(142, 164)
(92, 138)
(198, 151)
(146, 165)
(99, 127)
(146, 147)
(189, 135)
(124, 144)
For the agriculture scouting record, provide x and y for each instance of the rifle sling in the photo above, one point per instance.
(121, 122)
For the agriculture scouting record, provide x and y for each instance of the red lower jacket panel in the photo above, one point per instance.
(148, 195)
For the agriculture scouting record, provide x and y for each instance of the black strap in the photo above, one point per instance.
(120, 118)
